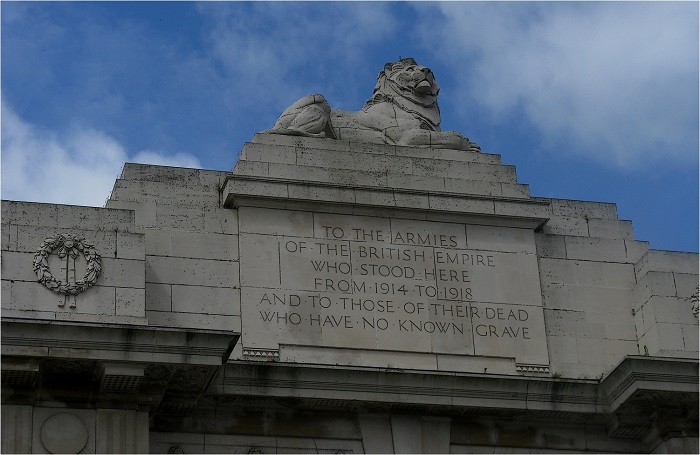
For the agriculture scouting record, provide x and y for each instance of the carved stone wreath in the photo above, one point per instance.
(67, 245)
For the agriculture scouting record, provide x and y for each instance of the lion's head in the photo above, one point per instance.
(412, 88)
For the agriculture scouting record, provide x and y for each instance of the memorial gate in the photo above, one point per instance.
(361, 282)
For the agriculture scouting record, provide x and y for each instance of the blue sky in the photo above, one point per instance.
(589, 100)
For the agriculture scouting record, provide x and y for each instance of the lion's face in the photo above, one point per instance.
(415, 78)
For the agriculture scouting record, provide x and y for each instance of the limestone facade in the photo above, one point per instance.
(330, 296)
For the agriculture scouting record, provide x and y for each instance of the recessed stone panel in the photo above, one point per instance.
(389, 284)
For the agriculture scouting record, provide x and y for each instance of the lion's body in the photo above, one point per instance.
(403, 110)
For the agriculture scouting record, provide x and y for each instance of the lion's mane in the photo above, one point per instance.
(389, 89)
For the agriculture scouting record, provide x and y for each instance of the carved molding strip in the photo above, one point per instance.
(523, 368)
(261, 354)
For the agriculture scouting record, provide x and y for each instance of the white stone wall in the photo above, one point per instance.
(191, 245)
(118, 294)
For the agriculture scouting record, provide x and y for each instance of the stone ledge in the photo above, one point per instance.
(241, 191)
(116, 342)
(636, 380)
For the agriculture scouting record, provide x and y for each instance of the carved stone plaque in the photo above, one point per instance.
(371, 283)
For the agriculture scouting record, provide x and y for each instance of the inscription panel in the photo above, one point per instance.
(391, 284)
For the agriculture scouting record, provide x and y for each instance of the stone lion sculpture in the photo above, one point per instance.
(403, 110)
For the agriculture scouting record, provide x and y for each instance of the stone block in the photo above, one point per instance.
(564, 323)
(169, 217)
(275, 222)
(366, 147)
(610, 229)
(167, 193)
(520, 209)
(126, 273)
(341, 160)
(686, 284)
(515, 190)
(9, 242)
(328, 175)
(186, 177)
(583, 209)
(195, 272)
(252, 168)
(635, 250)
(144, 211)
(299, 141)
(121, 431)
(208, 300)
(619, 275)
(604, 300)
(356, 357)
(650, 344)
(458, 204)
(260, 254)
(435, 434)
(490, 365)
(158, 297)
(690, 337)
(562, 349)
(592, 249)
(416, 182)
(564, 225)
(194, 320)
(588, 273)
(29, 213)
(670, 337)
(550, 246)
(321, 193)
(212, 179)
(495, 238)
(205, 246)
(406, 433)
(371, 197)
(615, 326)
(238, 186)
(473, 187)
(130, 302)
(16, 428)
(607, 353)
(671, 310)
(129, 246)
(220, 220)
(268, 153)
(659, 284)
(413, 201)
(559, 271)
(18, 266)
(667, 261)
(462, 155)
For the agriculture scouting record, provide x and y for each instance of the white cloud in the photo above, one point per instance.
(78, 167)
(615, 81)
(286, 48)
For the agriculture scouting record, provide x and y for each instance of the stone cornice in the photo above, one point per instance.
(455, 393)
(30, 338)
(269, 192)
